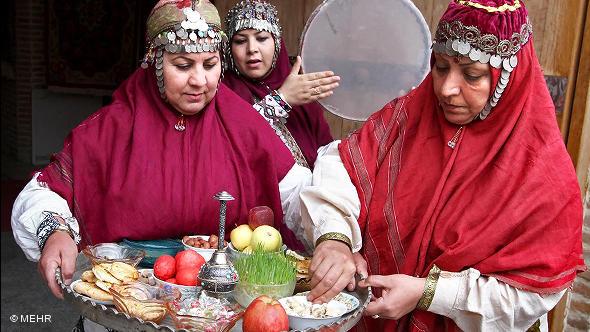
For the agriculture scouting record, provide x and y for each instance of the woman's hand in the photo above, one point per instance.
(361, 270)
(299, 89)
(60, 250)
(332, 269)
(400, 294)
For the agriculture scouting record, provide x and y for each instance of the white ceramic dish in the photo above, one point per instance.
(89, 298)
(341, 305)
(206, 253)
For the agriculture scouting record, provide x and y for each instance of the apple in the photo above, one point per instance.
(240, 236)
(189, 259)
(188, 276)
(260, 215)
(165, 267)
(265, 314)
(267, 238)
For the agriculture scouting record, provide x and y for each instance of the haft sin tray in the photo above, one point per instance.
(110, 317)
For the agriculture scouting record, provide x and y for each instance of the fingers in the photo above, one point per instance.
(377, 307)
(296, 66)
(332, 269)
(48, 273)
(67, 269)
(361, 265)
(375, 281)
(331, 285)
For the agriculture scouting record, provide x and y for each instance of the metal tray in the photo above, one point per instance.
(110, 317)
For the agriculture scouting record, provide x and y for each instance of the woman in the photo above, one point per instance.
(260, 72)
(468, 204)
(148, 165)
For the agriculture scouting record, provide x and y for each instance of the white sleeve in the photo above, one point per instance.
(290, 187)
(331, 203)
(481, 303)
(27, 214)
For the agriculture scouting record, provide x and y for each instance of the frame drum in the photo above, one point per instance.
(379, 48)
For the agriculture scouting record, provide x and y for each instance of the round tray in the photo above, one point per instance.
(110, 317)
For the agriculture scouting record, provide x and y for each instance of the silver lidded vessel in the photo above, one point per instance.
(218, 276)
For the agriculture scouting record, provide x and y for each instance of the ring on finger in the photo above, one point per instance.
(316, 91)
(375, 316)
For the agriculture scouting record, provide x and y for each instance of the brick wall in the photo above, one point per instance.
(578, 316)
(29, 73)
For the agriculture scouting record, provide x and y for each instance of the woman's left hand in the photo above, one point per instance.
(300, 89)
(400, 294)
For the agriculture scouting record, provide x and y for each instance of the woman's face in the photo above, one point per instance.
(253, 52)
(462, 87)
(191, 80)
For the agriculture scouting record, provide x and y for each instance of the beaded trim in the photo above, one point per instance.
(469, 41)
(429, 288)
(491, 9)
(275, 110)
(456, 39)
(335, 236)
(258, 15)
(192, 35)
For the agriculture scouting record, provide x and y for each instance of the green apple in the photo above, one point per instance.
(267, 238)
(240, 236)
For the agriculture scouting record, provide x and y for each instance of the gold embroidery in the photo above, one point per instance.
(429, 288)
(334, 236)
(491, 9)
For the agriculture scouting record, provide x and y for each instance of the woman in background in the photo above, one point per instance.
(260, 72)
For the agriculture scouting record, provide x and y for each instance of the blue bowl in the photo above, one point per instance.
(154, 249)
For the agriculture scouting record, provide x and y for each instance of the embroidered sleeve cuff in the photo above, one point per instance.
(53, 222)
(447, 292)
(429, 288)
(330, 227)
(334, 236)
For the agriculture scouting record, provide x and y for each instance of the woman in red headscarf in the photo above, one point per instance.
(260, 72)
(148, 165)
(468, 204)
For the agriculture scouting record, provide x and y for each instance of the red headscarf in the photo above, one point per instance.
(127, 173)
(306, 123)
(504, 201)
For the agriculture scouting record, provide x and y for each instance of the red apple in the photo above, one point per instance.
(189, 259)
(188, 277)
(260, 215)
(165, 267)
(265, 314)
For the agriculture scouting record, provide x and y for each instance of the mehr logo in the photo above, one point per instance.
(30, 318)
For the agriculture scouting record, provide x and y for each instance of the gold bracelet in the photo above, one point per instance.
(429, 288)
(335, 236)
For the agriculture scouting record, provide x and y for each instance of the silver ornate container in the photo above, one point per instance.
(218, 276)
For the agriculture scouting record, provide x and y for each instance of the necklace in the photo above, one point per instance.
(453, 141)
(180, 124)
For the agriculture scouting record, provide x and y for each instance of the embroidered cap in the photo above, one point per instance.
(253, 14)
(177, 26)
(487, 31)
